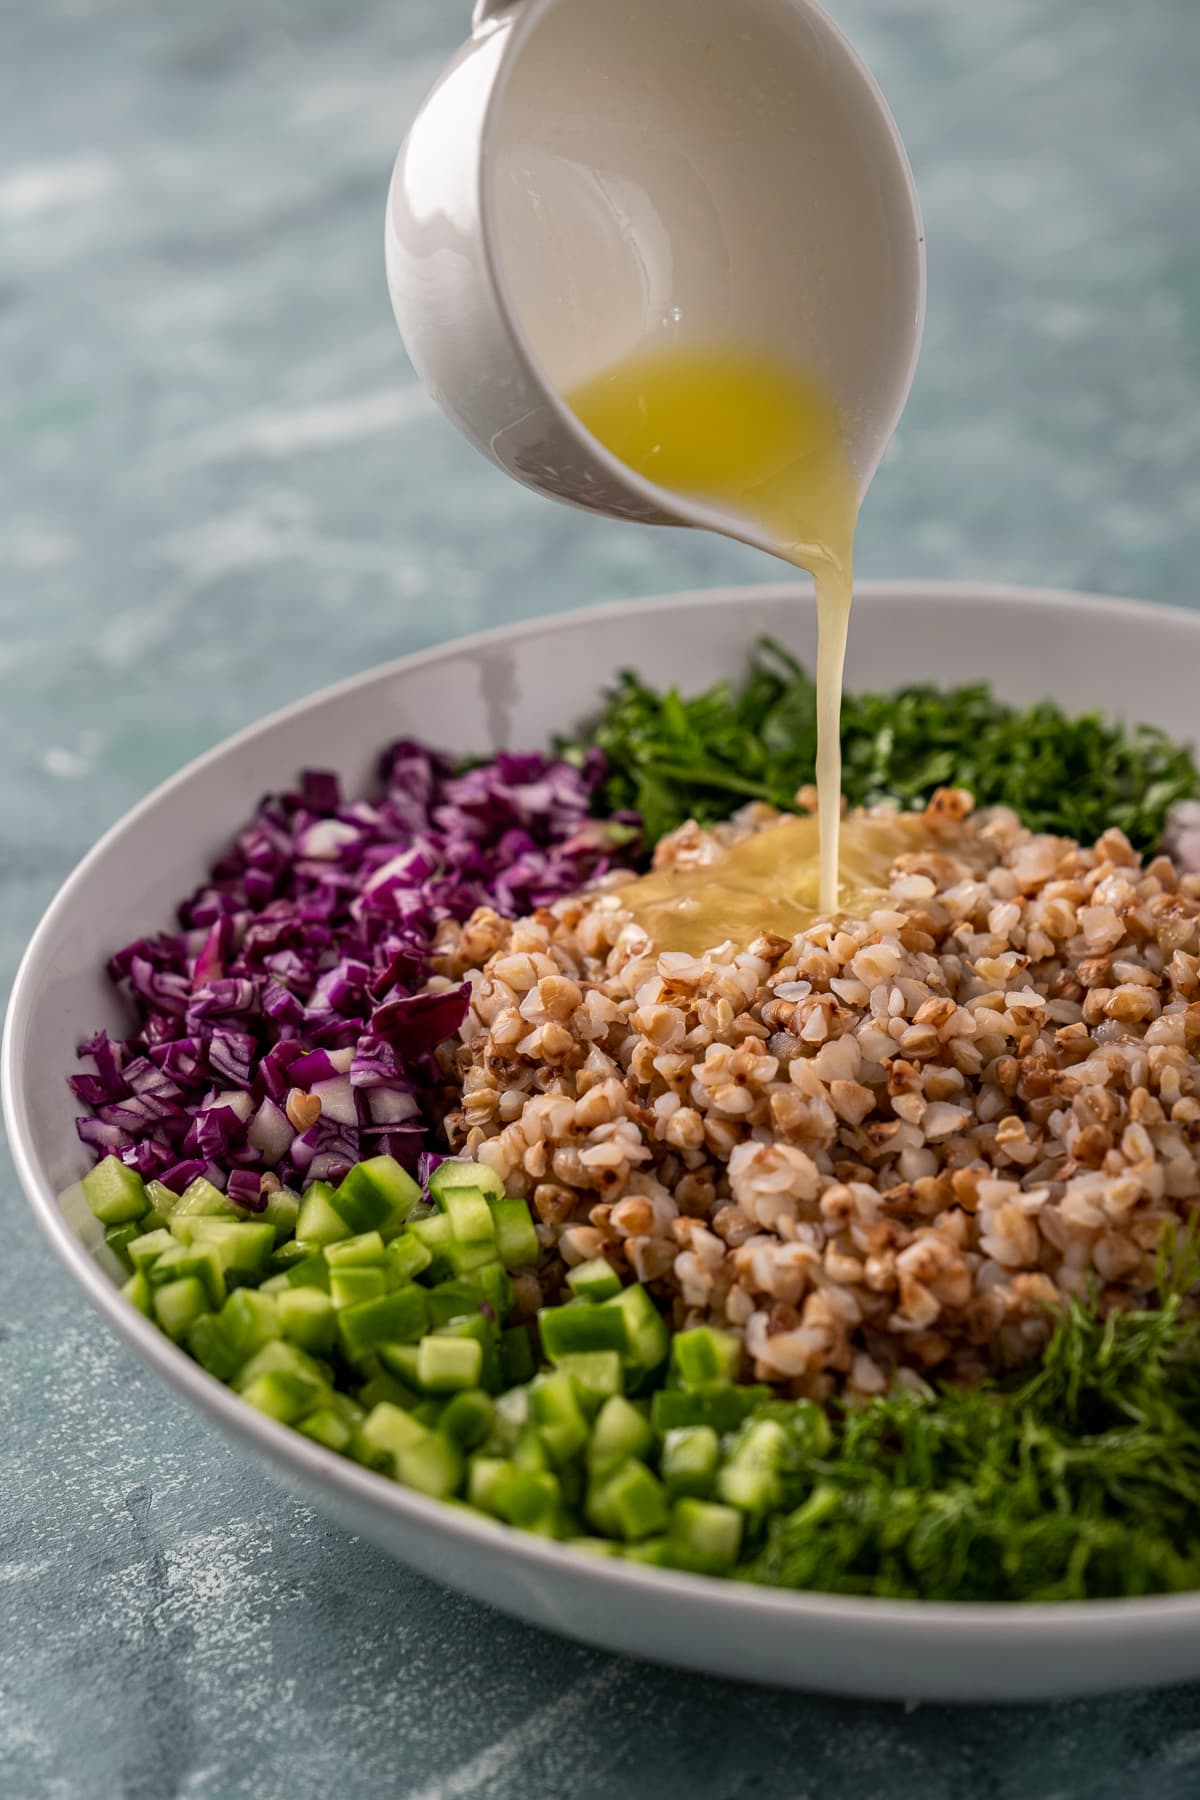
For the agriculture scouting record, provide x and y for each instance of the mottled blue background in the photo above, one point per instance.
(219, 489)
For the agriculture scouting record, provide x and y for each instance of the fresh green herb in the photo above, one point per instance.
(672, 759)
(1080, 1482)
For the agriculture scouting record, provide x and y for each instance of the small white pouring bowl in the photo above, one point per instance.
(587, 175)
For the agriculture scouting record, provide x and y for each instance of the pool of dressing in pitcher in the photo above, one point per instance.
(758, 438)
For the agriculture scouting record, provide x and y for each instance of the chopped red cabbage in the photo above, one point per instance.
(301, 963)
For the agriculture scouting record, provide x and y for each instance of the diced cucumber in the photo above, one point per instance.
(386, 1431)
(529, 1452)
(451, 1300)
(328, 1428)
(319, 1221)
(119, 1237)
(594, 1546)
(470, 1216)
(455, 1172)
(486, 1476)
(115, 1192)
(578, 1329)
(750, 1477)
(530, 1499)
(281, 1395)
(468, 1418)
(516, 1238)
(690, 1458)
(137, 1292)
(354, 1286)
(435, 1466)
(209, 1343)
(200, 1198)
(145, 1250)
(376, 1195)
(401, 1317)
(711, 1534)
(723, 1408)
(648, 1337)
(597, 1375)
(161, 1200)
(406, 1258)
(429, 1411)
(445, 1364)
(307, 1317)
(308, 1384)
(493, 1285)
(245, 1245)
(484, 1334)
(184, 1260)
(435, 1233)
(466, 1260)
(385, 1386)
(704, 1358)
(179, 1304)
(400, 1361)
(364, 1251)
(595, 1280)
(250, 1320)
(628, 1502)
(621, 1431)
(559, 1419)
(517, 1361)
(281, 1213)
(654, 1552)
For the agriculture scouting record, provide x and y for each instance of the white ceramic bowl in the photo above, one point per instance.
(517, 686)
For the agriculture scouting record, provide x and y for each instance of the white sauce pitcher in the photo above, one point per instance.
(589, 177)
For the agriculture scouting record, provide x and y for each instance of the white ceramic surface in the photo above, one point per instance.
(517, 686)
(588, 175)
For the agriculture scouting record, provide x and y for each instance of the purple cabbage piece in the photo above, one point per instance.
(304, 955)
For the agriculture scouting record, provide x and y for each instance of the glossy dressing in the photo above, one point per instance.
(756, 438)
(768, 882)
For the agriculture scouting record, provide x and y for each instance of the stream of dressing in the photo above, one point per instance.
(755, 437)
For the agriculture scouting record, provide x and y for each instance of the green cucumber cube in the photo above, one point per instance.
(318, 1221)
(486, 1476)
(557, 1416)
(200, 1198)
(691, 1455)
(385, 1432)
(406, 1258)
(455, 1172)
(516, 1238)
(621, 1431)
(435, 1466)
(401, 1317)
(281, 1395)
(492, 1281)
(119, 1237)
(595, 1280)
(468, 1418)
(435, 1233)
(578, 1329)
(355, 1286)
(377, 1195)
(628, 1502)
(245, 1245)
(594, 1546)
(470, 1217)
(365, 1251)
(183, 1260)
(281, 1213)
(597, 1375)
(115, 1193)
(711, 1534)
(144, 1251)
(137, 1291)
(452, 1300)
(161, 1200)
(308, 1317)
(704, 1358)
(384, 1386)
(445, 1364)
(179, 1304)
(209, 1343)
(327, 1428)
(517, 1361)
(750, 1478)
(308, 1380)
(722, 1408)
(648, 1337)
(249, 1319)
(400, 1361)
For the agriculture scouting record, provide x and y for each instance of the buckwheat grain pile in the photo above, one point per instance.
(888, 1144)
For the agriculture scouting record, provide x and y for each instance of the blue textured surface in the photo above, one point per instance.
(220, 488)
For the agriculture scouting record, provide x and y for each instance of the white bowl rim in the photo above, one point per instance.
(1010, 1622)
